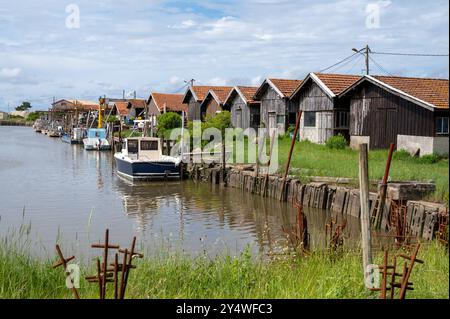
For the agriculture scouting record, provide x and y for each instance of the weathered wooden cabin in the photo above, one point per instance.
(194, 97)
(277, 111)
(412, 113)
(214, 100)
(244, 109)
(121, 110)
(323, 114)
(160, 103)
(137, 108)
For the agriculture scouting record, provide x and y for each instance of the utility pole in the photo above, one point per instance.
(191, 82)
(366, 55)
(367, 49)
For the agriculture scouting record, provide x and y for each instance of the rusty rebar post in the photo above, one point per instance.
(383, 188)
(63, 262)
(297, 125)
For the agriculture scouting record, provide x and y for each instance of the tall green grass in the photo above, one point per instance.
(176, 275)
(318, 160)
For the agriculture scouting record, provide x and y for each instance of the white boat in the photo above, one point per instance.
(96, 140)
(141, 158)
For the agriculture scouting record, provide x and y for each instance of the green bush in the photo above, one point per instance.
(401, 155)
(167, 122)
(429, 159)
(337, 142)
(111, 119)
(220, 121)
(33, 116)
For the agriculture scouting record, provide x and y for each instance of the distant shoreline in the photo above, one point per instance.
(15, 123)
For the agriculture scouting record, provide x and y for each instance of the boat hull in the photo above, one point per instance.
(147, 170)
(91, 144)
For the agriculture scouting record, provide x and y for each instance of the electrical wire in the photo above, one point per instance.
(340, 62)
(411, 54)
(379, 66)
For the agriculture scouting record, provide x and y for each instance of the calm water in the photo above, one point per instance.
(70, 195)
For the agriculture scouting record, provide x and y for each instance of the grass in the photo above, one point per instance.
(174, 275)
(318, 160)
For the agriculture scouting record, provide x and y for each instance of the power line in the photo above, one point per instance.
(379, 66)
(411, 54)
(336, 64)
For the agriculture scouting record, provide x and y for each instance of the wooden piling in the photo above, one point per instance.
(365, 212)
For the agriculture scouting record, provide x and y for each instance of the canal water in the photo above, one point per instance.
(62, 193)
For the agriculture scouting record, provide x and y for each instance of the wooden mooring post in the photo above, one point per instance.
(365, 211)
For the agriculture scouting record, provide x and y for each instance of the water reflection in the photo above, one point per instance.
(61, 184)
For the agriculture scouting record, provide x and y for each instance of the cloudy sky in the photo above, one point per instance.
(155, 45)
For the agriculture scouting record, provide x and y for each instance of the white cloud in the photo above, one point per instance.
(10, 72)
(142, 45)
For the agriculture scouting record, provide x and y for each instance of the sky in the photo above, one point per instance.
(81, 49)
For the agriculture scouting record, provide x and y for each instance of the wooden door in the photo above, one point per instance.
(385, 131)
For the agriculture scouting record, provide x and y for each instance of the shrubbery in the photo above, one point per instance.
(167, 122)
(337, 142)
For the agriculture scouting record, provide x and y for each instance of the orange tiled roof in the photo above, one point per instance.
(287, 87)
(337, 83)
(221, 92)
(248, 92)
(137, 103)
(122, 107)
(433, 91)
(202, 91)
(172, 102)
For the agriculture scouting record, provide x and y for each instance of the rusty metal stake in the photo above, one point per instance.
(383, 189)
(288, 164)
(106, 246)
(63, 262)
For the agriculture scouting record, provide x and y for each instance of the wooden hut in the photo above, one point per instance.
(214, 100)
(244, 109)
(412, 113)
(277, 111)
(324, 115)
(194, 97)
(159, 103)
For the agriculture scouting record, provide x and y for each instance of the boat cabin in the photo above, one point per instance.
(143, 147)
(96, 133)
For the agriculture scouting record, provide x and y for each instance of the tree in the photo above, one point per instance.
(167, 122)
(25, 106)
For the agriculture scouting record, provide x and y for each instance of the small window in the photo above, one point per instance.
(149, 145)
(132, 146)
(342, 119)
(280, 119)
(442, 125)
(310, 119)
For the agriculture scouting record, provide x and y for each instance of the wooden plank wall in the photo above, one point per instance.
(382, 115)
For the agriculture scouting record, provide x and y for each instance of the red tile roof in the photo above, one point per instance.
(172, 102)
(122, 107)
(337, 83)
(287, 87)
(432, 91)
(137, 103)
(221, 92)
(248, 92)
(202, 91)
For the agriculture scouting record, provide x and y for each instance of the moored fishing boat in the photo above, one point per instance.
(96, 140)
(74, 137)
(141, 158)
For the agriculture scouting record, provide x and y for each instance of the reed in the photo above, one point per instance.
(164, 274)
